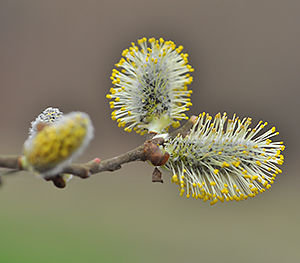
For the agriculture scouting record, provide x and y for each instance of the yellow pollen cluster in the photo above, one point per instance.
(224, 162)
(150, 89)
(56, 143)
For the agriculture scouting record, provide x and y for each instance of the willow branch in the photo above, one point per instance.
(112, 164)
(11, 162)
(148, 151)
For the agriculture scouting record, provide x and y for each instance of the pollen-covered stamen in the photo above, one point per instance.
(150, 91)
(224, 161)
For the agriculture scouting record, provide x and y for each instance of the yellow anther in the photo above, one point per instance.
(224, 164)
(143, 132)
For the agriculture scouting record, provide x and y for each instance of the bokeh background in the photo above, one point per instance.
(246, 56)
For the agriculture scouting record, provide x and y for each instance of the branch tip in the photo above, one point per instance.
(97, 160)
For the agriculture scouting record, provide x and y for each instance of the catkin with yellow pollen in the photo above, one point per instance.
(56, 144)
(221, 161)
(150, 88)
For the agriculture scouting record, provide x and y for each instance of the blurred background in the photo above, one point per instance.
(246, 56)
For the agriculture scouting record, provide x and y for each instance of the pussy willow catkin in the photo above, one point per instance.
(222, 160)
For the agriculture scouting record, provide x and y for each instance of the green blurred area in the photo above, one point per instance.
(125, 218)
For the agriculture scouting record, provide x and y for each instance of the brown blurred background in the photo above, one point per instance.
(246, 56)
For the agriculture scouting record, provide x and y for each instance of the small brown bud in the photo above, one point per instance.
(154, 154)
(59, 182)
(156, 176)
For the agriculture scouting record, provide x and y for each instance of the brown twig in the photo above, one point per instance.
(184, 130)
(11, 162)
(149, 150)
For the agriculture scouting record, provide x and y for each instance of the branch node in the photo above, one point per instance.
(154, 154)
